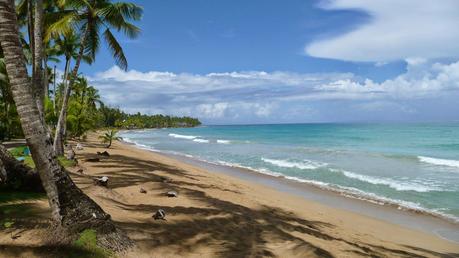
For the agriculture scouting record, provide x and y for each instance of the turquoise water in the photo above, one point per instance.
(415, 166)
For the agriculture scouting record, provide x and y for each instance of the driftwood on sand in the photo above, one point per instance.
(104, 153)
(102, 181)
(79, 146)
(93, 160)
(160, 214)
(71, 154)
(172, 194)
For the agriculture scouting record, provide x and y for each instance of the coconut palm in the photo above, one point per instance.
(82, 113)
(71, 209)
(109, 137)
(9, 122)
(67, 45)
(38, 54)
(90, 18)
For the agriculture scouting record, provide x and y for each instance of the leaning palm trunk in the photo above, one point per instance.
(61, 122)
(71, 209)
(3, 176)
(38, 58)
(58, 144)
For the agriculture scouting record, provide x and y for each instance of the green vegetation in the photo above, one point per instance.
(45, 33)
(18, 152)
(11, 196)
(88, 241)
(13, 205)
(136, 121)
(65, 162)
(87, 112)
(83, 108)
(8, 224)
(109, 137)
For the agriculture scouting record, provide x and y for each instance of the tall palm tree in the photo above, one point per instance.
(67, 45)
(38, 54)
(91, 17)
(72, 210)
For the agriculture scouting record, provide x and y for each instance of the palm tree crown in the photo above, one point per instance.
(91, 17)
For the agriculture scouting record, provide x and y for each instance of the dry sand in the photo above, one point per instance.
(215, 215)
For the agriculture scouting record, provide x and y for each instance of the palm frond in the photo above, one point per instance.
(116, 19)
(92, 41)
(129, 11)
(75, 4)
(116, 49)
(63, 26)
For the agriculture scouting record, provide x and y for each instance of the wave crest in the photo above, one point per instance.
(394, 184)
(306, 164)
(439, 162)
(201, 140)
(180, 136)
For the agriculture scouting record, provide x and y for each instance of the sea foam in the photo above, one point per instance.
(392, 183)
(439, 162)
(306, 164)
(223, 141)
(180, 136)
(201, 140)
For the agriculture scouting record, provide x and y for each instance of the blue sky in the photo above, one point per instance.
(266, 61)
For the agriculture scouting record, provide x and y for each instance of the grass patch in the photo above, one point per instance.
(88, 241)
(65, 162)
(10, 209)
(8, 224)
(10, 196)
(19, 152)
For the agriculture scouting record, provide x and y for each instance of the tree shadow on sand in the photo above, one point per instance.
(238, 231)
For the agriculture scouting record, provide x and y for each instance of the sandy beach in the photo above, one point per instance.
(214, 215)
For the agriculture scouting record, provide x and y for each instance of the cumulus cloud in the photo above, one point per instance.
(397, 30)
(275, 96)
(420, 80)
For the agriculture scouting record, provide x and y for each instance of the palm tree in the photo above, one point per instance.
(82, 113)
(72, 210)
(38, 54)
(2, 173)
(68, 46)
(90, 17)
(109, 137)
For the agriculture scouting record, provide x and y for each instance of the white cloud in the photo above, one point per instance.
(216, 110)
(430, 80)
(397, 30)
(263, 96)
(383, 106)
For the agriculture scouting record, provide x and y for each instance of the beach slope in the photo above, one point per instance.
(214, 215)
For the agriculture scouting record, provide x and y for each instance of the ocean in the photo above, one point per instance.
(412, 166)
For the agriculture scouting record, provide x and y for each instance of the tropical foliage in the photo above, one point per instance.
(72, 32)
(108, 137)
(36, 34)
(114, 117)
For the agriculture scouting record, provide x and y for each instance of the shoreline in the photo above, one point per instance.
(216, 214)
(429, 222)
